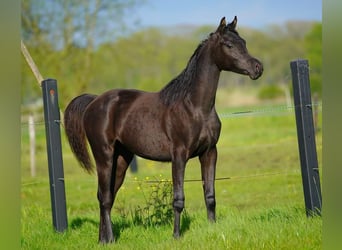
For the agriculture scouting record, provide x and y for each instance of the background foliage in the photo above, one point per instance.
(92, 46)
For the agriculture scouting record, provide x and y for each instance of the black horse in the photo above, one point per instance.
(175, 124)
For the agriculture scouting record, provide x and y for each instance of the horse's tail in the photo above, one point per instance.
(74, 129)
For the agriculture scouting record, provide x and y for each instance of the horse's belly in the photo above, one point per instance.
(147, 140)
(153, 147)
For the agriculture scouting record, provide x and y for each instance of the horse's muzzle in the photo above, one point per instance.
(257, 69)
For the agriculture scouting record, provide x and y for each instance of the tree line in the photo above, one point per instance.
(93, 56)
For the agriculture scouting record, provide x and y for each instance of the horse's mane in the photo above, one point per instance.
(180, 87)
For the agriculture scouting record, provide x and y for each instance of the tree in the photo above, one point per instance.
(62, 36)
(313, 46)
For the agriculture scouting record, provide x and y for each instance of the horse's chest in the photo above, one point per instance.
(210, 132)
(207, 138)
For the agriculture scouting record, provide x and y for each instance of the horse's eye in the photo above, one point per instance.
(228, 44)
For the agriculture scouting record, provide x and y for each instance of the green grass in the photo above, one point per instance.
(272, 228)
(261, 206)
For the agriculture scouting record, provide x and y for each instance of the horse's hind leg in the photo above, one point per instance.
(122, 158)
(105, 195)
(111, 173)
(208, 168)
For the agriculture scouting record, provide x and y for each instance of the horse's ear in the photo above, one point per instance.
(222, 25)
(232, 26)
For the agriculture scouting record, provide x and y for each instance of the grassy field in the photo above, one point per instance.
(260, 206)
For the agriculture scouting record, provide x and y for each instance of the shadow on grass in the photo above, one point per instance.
(78, 223)
(185, 223)
(118, 226)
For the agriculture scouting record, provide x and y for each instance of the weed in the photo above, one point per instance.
(157, 209)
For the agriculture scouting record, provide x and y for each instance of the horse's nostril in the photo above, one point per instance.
(258, 67)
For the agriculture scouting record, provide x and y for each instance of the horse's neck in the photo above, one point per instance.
(206, 82)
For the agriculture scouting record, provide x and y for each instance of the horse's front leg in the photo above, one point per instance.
(178, 169)
(208, 168)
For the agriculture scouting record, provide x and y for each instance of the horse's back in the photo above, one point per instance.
(132, 117)
(142, 123)
(107, 109)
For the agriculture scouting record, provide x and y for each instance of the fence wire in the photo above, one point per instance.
(268, 110)
(274, 110)
(156, 180)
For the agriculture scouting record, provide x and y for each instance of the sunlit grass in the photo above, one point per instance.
(260, 204)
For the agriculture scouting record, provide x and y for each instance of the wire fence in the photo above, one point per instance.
(258, 111)
(272, 110)
(250, 112)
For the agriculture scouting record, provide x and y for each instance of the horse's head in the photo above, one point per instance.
(230, 51)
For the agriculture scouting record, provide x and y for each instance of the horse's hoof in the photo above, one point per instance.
(176, 235)
(105, 241)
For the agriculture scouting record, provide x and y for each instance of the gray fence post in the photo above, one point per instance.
(134, 165)
(306, 137)
(54, 152)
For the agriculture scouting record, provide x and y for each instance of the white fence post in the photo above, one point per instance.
(32, 136)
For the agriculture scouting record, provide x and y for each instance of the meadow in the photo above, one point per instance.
(260, 203)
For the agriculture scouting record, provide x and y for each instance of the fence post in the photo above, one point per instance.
(54, 151)
(32, 136)
(315, 112)
(306, 137)
(134, 165)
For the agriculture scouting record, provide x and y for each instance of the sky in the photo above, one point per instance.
(251, 13)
